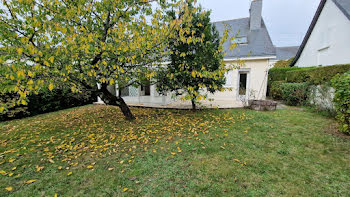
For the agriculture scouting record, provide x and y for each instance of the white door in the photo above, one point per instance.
(243, 88)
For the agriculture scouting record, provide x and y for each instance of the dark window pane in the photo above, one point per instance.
(242, 83)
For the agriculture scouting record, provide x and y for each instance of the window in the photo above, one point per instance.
(241, 40)
(243, 83)
(146, 90)
(325, 39)
(124, 92)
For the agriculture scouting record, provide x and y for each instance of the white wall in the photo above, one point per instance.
(257, 80)
(257, 70)
(329, 43)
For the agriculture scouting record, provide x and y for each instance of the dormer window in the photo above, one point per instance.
(241, 40)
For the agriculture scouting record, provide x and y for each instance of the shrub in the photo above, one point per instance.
(294, 93)
(45, 101)
(316, 75)
(341, 83)
(280, 74)
(284, 63)
(276, 90)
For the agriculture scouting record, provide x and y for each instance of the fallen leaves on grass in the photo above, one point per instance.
(74, 139)
(30, 181)
(9, 189)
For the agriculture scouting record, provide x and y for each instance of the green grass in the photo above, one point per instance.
(173, 153)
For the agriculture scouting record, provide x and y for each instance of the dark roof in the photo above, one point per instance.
(259, 41)
(285, 53)
(343, 5)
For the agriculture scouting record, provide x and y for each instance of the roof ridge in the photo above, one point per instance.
(230, 20)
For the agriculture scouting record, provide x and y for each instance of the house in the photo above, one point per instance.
(285, 53)
(327, 42)
(248, 82)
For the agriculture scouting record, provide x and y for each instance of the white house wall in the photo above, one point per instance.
(257, 84)
(257, 80)
(329, 41)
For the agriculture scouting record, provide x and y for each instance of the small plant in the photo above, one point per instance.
(341, 83)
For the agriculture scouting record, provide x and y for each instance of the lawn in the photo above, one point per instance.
(93, 151)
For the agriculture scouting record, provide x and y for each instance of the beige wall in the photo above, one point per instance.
(257, 80)
(257, 70)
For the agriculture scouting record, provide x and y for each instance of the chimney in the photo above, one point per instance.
(255, 14)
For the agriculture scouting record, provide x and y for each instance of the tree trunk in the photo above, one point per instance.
(109, 99)
(193, 105)
(125, 109)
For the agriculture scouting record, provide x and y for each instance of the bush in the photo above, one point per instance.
(45, 101)
(284, 63)
(280, 74)
(341, 84)
(294, 93)
(316, 75)
(276, 90)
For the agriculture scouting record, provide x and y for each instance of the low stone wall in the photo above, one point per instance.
(263, 105)
(322, 97)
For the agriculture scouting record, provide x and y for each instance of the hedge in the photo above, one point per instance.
(316, 76)
(341, 84)
(276, 90)
(294, 93)
(280, 74)
(312, 75)
(45, 101)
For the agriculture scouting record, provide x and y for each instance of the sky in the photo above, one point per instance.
(287, 20)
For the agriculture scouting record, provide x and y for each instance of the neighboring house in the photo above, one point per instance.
(327, 41)
(248, 82)
(285, 53)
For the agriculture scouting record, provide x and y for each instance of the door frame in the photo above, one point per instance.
(246, 96)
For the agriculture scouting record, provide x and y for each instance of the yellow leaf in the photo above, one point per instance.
(55, 195)
(69, 173)
(51, 87)
(2, 109)
(23, 103)
(173, 153)
(90, 167)
(11, 174)
(30, 181)
(51, 59)
(14, 168)
(125, 189)
(60, 167)
(12, 160)
(19, 51)
(3, 172)
(9, 188)
(12, 77)
(39, 168)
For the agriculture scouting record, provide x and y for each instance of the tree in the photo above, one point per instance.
(82, 43)
(196, 61)
(283, 63)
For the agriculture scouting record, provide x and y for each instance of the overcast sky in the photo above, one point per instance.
(287, 20)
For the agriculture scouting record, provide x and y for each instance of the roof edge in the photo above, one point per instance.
(342, 9)
(309, 31)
